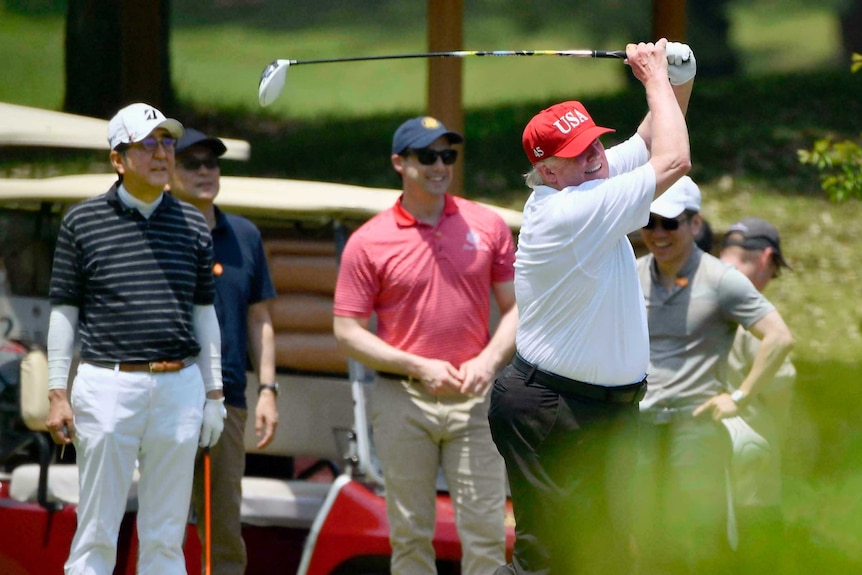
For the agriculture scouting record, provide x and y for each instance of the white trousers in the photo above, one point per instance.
(121, 417)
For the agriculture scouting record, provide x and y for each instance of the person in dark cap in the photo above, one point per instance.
(753, 246)
(759, 255)
(427, 267)
(243, 286)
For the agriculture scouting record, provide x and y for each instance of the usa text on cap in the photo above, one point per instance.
(563, 130)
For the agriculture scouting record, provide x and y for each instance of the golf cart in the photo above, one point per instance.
(318, 505)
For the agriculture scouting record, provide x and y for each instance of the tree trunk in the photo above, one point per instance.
(709, 37)
(851, 29)
(117, 53)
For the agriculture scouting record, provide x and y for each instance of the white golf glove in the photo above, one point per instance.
(681, 66)
(213, 425)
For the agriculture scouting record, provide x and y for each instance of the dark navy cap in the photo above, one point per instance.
(420, 133)
(755, 234)
(192, 137)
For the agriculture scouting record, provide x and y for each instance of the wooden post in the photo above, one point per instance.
(668, 20)
(445, 100)
(143, 49)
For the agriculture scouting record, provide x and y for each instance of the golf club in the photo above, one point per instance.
(273, 76)
(207, 512)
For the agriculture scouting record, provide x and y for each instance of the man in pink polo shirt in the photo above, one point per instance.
(426, 267)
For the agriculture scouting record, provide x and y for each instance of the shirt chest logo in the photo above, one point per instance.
(473, 242)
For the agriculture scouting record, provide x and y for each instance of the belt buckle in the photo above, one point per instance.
(158, 366)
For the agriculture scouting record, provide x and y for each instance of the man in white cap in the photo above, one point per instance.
(133, 276)
(694, 303)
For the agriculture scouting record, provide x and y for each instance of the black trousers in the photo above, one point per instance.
(570, 463)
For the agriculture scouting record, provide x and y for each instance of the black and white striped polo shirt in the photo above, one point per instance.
(135, 280)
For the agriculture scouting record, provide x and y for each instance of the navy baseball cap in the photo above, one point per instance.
(420, 133)
(755, 234)
(192, 137)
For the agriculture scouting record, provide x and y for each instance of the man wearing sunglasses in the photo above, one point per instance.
(564, 413)
(243, 286)
(427, 267)
(133, 275)
(753, 246)
(694, 304)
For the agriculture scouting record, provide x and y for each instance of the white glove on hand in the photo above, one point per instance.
(213, 425)
(681, 66)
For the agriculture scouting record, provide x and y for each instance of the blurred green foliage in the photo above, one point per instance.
(840, 161)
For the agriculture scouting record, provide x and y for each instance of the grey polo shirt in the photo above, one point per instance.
(692, 328)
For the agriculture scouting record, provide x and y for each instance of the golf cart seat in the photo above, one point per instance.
(29, 481)
(49, 484)
(315, 419)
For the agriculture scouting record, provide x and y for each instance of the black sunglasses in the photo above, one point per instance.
(192, 164)
(428, 157)
(150, 143)
(668, 224)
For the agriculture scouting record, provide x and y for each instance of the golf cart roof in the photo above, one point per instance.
(25, 126)
(263, 197)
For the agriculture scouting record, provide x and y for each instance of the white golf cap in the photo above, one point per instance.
(682, 195)
(137, 121)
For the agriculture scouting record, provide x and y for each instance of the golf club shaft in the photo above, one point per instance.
(207, 512)
(619, 54)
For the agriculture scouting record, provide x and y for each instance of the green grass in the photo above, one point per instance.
(31, 50)
(219, 65)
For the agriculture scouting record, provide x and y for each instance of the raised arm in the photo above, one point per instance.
(664, 128)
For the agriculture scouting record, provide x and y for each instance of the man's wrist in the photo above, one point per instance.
(738, 396)
(273, 387)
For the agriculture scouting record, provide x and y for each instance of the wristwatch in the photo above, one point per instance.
(737, 396)
(273, 387)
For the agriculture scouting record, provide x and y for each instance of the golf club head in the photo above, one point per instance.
(272, 81)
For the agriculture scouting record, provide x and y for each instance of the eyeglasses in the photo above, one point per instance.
(428, 157)
(668, 224)
(193, 164)
(150, 143)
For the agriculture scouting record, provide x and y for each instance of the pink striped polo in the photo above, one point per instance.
(429, 285)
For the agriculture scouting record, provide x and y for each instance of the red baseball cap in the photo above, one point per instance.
(563, 130)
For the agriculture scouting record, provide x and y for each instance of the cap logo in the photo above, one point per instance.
(150, 114)
(570, 120)
(538, 152)
(430, 123)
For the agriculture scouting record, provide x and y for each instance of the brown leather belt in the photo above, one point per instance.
(166, 366)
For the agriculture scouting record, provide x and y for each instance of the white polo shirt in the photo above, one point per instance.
(581, 310)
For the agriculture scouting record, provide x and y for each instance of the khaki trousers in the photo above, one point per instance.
(416, 434)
